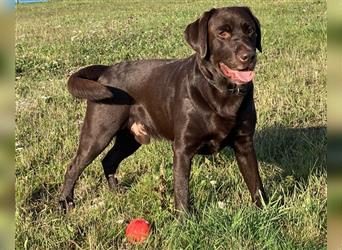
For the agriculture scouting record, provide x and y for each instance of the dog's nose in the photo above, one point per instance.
(246, 56)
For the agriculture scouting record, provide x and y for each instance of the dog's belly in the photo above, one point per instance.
(154, 124)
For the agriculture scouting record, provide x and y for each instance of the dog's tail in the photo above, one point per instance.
(83, 84)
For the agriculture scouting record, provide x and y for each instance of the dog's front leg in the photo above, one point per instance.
(181, 175)
(246, 158)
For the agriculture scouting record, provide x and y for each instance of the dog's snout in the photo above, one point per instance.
(246, 56)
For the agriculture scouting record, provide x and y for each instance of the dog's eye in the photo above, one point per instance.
(224, 35)
(248, 30)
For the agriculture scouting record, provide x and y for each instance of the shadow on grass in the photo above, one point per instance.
(297, 151)
(41, 197)
(289, 155)
(131, 178)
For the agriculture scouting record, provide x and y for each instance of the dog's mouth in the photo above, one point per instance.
(238, 76)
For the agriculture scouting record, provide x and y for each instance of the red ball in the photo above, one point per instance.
(137, 230)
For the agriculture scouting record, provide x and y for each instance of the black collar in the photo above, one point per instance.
(239, 89)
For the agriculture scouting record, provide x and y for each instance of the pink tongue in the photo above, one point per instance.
(241, 76)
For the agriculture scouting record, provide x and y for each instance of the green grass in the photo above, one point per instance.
(56, 38)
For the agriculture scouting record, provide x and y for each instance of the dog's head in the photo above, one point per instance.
(227, 39)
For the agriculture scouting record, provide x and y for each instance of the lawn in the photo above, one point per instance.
(58, 37)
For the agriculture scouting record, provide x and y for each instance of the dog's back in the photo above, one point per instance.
(92, 82)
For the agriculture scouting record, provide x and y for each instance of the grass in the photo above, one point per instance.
(55, 38)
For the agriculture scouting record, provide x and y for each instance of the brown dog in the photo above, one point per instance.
(201, 103)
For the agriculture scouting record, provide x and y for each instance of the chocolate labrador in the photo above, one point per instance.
(201, 103)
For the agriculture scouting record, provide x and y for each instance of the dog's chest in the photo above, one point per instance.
(217, 135)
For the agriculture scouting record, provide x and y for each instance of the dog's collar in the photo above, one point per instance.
(239, 89)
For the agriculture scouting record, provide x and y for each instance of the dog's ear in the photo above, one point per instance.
(196, 34)
(258, 30)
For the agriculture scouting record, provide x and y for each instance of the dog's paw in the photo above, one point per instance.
(112, 183)
(260, 199)
(66, 205)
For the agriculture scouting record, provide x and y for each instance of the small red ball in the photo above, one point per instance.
(137, 230)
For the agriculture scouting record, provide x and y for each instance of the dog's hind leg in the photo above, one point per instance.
(125, 145)
(101, 123)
